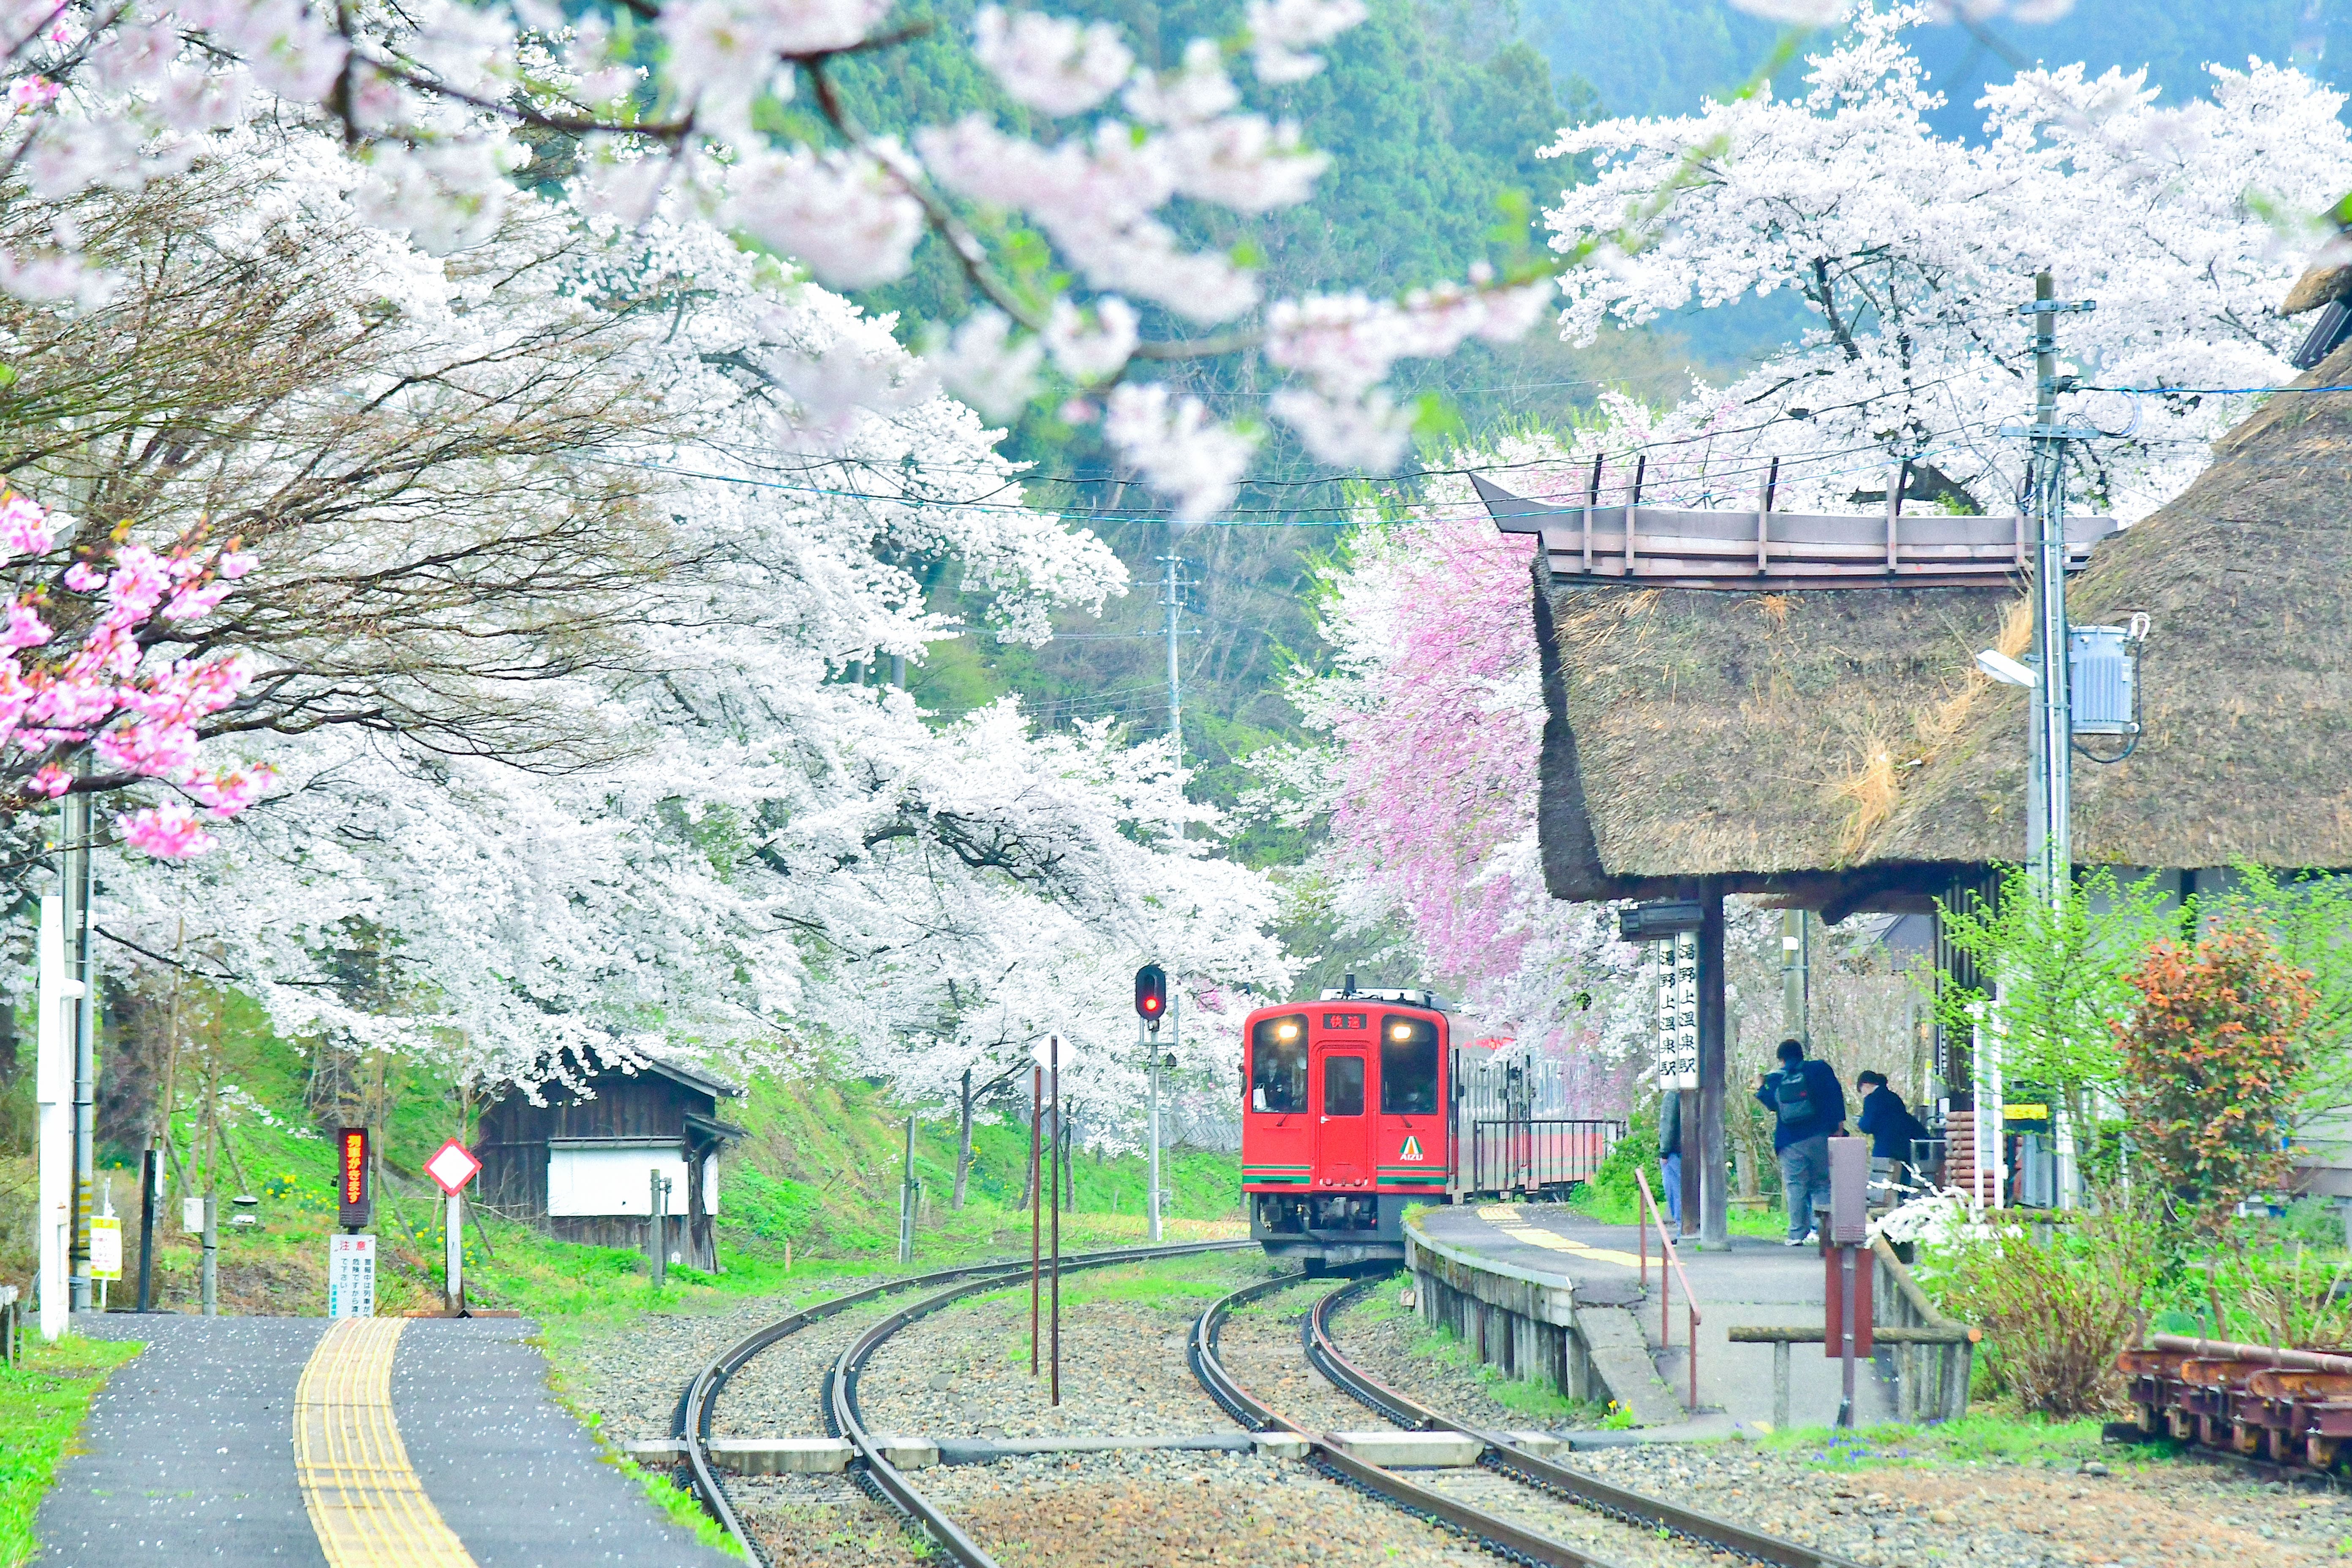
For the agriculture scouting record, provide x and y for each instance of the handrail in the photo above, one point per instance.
(1667, 1256)
(1908, 1287)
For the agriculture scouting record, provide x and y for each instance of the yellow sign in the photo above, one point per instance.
(1412, 1150)
(2026, 1112)
(105, 1247)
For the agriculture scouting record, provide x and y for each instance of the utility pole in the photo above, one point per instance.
(2049, 806)
(1172, 597)
(75, 863)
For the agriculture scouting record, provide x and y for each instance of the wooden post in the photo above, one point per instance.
(1592, 499)
(1633, 506)
(1895, 481)
(1779, 1385)
(1764, 519)
(1715, 1219)
(1036, 1114)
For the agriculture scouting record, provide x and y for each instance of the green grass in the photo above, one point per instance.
(1540, 1402)
(1980, 1438)
(42, 1403)
(666, 1494)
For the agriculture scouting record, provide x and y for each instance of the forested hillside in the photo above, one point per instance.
(1433, 114)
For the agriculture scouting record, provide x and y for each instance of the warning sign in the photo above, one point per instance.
(350, 1276)
(1412, 1150)
(105, 1247)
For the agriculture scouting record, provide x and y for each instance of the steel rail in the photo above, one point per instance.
(847, 1420)
(1498, 1534)
(1509, 1458)
(691, 1422)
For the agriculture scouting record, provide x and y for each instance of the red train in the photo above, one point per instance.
(1361, 1102)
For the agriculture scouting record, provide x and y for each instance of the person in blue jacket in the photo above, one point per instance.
(1808, 1104)
(1889, 1125)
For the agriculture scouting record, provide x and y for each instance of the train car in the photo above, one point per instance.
(1361, 1103)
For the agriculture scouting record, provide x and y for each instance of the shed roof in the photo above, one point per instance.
(1841, 748)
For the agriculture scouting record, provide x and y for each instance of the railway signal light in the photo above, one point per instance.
(1151, 995)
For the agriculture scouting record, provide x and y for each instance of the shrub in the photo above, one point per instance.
(2211, 1056)
(2055, 1311)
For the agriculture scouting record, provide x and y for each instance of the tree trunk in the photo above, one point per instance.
(963, 1143)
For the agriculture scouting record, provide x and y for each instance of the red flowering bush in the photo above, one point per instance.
(2210, 1057)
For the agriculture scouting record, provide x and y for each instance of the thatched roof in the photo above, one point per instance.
(1840, 747)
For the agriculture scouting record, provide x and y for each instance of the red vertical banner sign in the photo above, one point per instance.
(356, 1206)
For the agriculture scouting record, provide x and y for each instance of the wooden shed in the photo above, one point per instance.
(580, 1167)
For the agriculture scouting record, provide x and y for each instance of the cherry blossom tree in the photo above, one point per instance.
(1433, 717)
(662, 109)
(1912, 252)
(706, 838)
(89, 705)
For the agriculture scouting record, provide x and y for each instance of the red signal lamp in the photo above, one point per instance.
(1151, 994)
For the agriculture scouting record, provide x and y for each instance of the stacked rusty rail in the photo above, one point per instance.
(2285, 1406)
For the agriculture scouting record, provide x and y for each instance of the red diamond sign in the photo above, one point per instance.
(452, 1165)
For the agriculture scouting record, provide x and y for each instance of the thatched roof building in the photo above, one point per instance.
(1839, 747)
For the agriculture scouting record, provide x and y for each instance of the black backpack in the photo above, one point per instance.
(1792, 1096)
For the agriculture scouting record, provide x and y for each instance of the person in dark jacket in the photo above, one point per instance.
(1808, 1105)
(1670, 1151)
(1889, 1125)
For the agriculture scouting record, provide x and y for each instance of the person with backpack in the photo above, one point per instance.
(1808, 1104)
(1889, 1125)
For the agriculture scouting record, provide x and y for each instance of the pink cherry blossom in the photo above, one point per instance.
(168, 832)
(50, 779)
(148, 748)
(84, 576)
(226, 793)
(1092, 350)
(196, 601)
(25, 628)
(1049, 63)
(846, 214)
(1181, 451)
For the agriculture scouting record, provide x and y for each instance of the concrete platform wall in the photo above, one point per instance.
(1537, 1331)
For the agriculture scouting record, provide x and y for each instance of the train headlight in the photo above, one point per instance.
(1400, 1031)
(1285, 1031)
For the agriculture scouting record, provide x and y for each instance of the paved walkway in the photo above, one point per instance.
(423, 1442)
(1756, 1283)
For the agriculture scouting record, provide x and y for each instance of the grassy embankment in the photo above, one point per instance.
(42, 1403)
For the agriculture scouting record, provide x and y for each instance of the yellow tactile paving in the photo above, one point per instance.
(364, 1498)
(1505, 1218)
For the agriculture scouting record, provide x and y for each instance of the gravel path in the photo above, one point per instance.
(1147, 1511)
(964, 1371)
(2013, 1515)
(631, 1373)
(1260, 1346)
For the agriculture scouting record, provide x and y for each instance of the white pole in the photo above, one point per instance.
(1152, 1202)
(454, 1253)
(53, 1092)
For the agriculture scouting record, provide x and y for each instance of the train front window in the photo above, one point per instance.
(1279, 1064)
(1343, 1086)
(1408, 1066)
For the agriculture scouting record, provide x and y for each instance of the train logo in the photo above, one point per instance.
(1412, 1150)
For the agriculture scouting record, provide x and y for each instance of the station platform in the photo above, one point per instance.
(1516, 1275)
(366, 1442)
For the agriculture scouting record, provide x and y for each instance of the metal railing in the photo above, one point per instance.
(1667, 1258)
(1526, 1153)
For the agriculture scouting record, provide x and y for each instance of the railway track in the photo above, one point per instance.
(696, 1405)
(1497, 1533)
